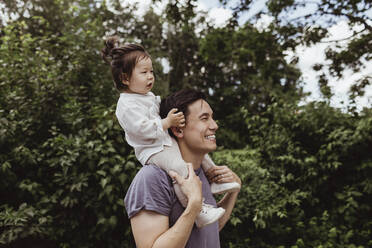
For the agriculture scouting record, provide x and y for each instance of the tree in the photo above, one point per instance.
(245, 68)
(64, 163)
(306, 179)
(235, 67)
(293, 29)
(182, 44)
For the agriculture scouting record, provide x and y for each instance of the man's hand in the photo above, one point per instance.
(222, 174)
(191, 187)
(173, 119)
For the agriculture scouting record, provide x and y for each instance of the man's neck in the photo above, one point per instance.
(191, 157)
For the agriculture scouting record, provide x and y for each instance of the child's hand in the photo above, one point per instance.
(175, 119)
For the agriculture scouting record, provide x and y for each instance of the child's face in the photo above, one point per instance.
(142, 79)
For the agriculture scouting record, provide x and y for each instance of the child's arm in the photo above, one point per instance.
(173, 119)
(136, 123)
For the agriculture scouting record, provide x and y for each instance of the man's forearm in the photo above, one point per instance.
(228, 203)
(178, 235)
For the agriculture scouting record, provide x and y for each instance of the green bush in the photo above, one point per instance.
(64, 164)
(306, 179)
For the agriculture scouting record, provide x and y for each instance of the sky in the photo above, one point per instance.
(308, 56)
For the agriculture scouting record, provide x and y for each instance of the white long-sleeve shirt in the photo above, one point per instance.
(139, 116)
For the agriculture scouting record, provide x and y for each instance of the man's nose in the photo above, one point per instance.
(213, 125)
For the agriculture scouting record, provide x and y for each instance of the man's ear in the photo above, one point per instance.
(178, 132)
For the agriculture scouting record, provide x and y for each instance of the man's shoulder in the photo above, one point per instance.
(151, 189)
(151, 172)
(150, 178)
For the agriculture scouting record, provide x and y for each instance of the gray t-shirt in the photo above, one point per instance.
(152, 189)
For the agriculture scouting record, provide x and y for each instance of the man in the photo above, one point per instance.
(157, 218)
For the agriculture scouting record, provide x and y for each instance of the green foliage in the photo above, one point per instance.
(306, 179)
(183, 45)
(245, 67)
(64, 164)
(308, 23)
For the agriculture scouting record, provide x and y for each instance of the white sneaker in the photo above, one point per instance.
(208, 214)
(220, 188)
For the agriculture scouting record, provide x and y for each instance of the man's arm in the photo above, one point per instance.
(151, 229)
(222, 174)
(228, 203)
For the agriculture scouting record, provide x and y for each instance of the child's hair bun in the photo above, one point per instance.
(110, 44)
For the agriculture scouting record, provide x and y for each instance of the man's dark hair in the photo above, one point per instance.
(180, 100)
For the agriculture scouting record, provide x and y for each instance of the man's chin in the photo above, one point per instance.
(212, 148)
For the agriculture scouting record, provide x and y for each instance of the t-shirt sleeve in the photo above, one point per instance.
(151, 189)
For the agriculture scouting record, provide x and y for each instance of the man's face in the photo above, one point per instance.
(199, 132)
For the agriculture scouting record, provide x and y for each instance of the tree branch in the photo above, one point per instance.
(347, 38)
(352, 18)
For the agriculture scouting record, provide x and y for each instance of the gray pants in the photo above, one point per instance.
(171, 159)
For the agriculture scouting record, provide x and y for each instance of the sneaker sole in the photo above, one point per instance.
(236, 189)
(216, 218)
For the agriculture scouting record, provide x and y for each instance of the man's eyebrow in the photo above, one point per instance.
(205, 114)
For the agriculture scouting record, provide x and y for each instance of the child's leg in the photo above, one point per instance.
(218, 188)
(171, 159)
(207, 163)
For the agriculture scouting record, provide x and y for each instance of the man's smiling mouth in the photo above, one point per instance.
(211, 137)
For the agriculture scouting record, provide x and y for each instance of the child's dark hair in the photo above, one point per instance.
(122, 59)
